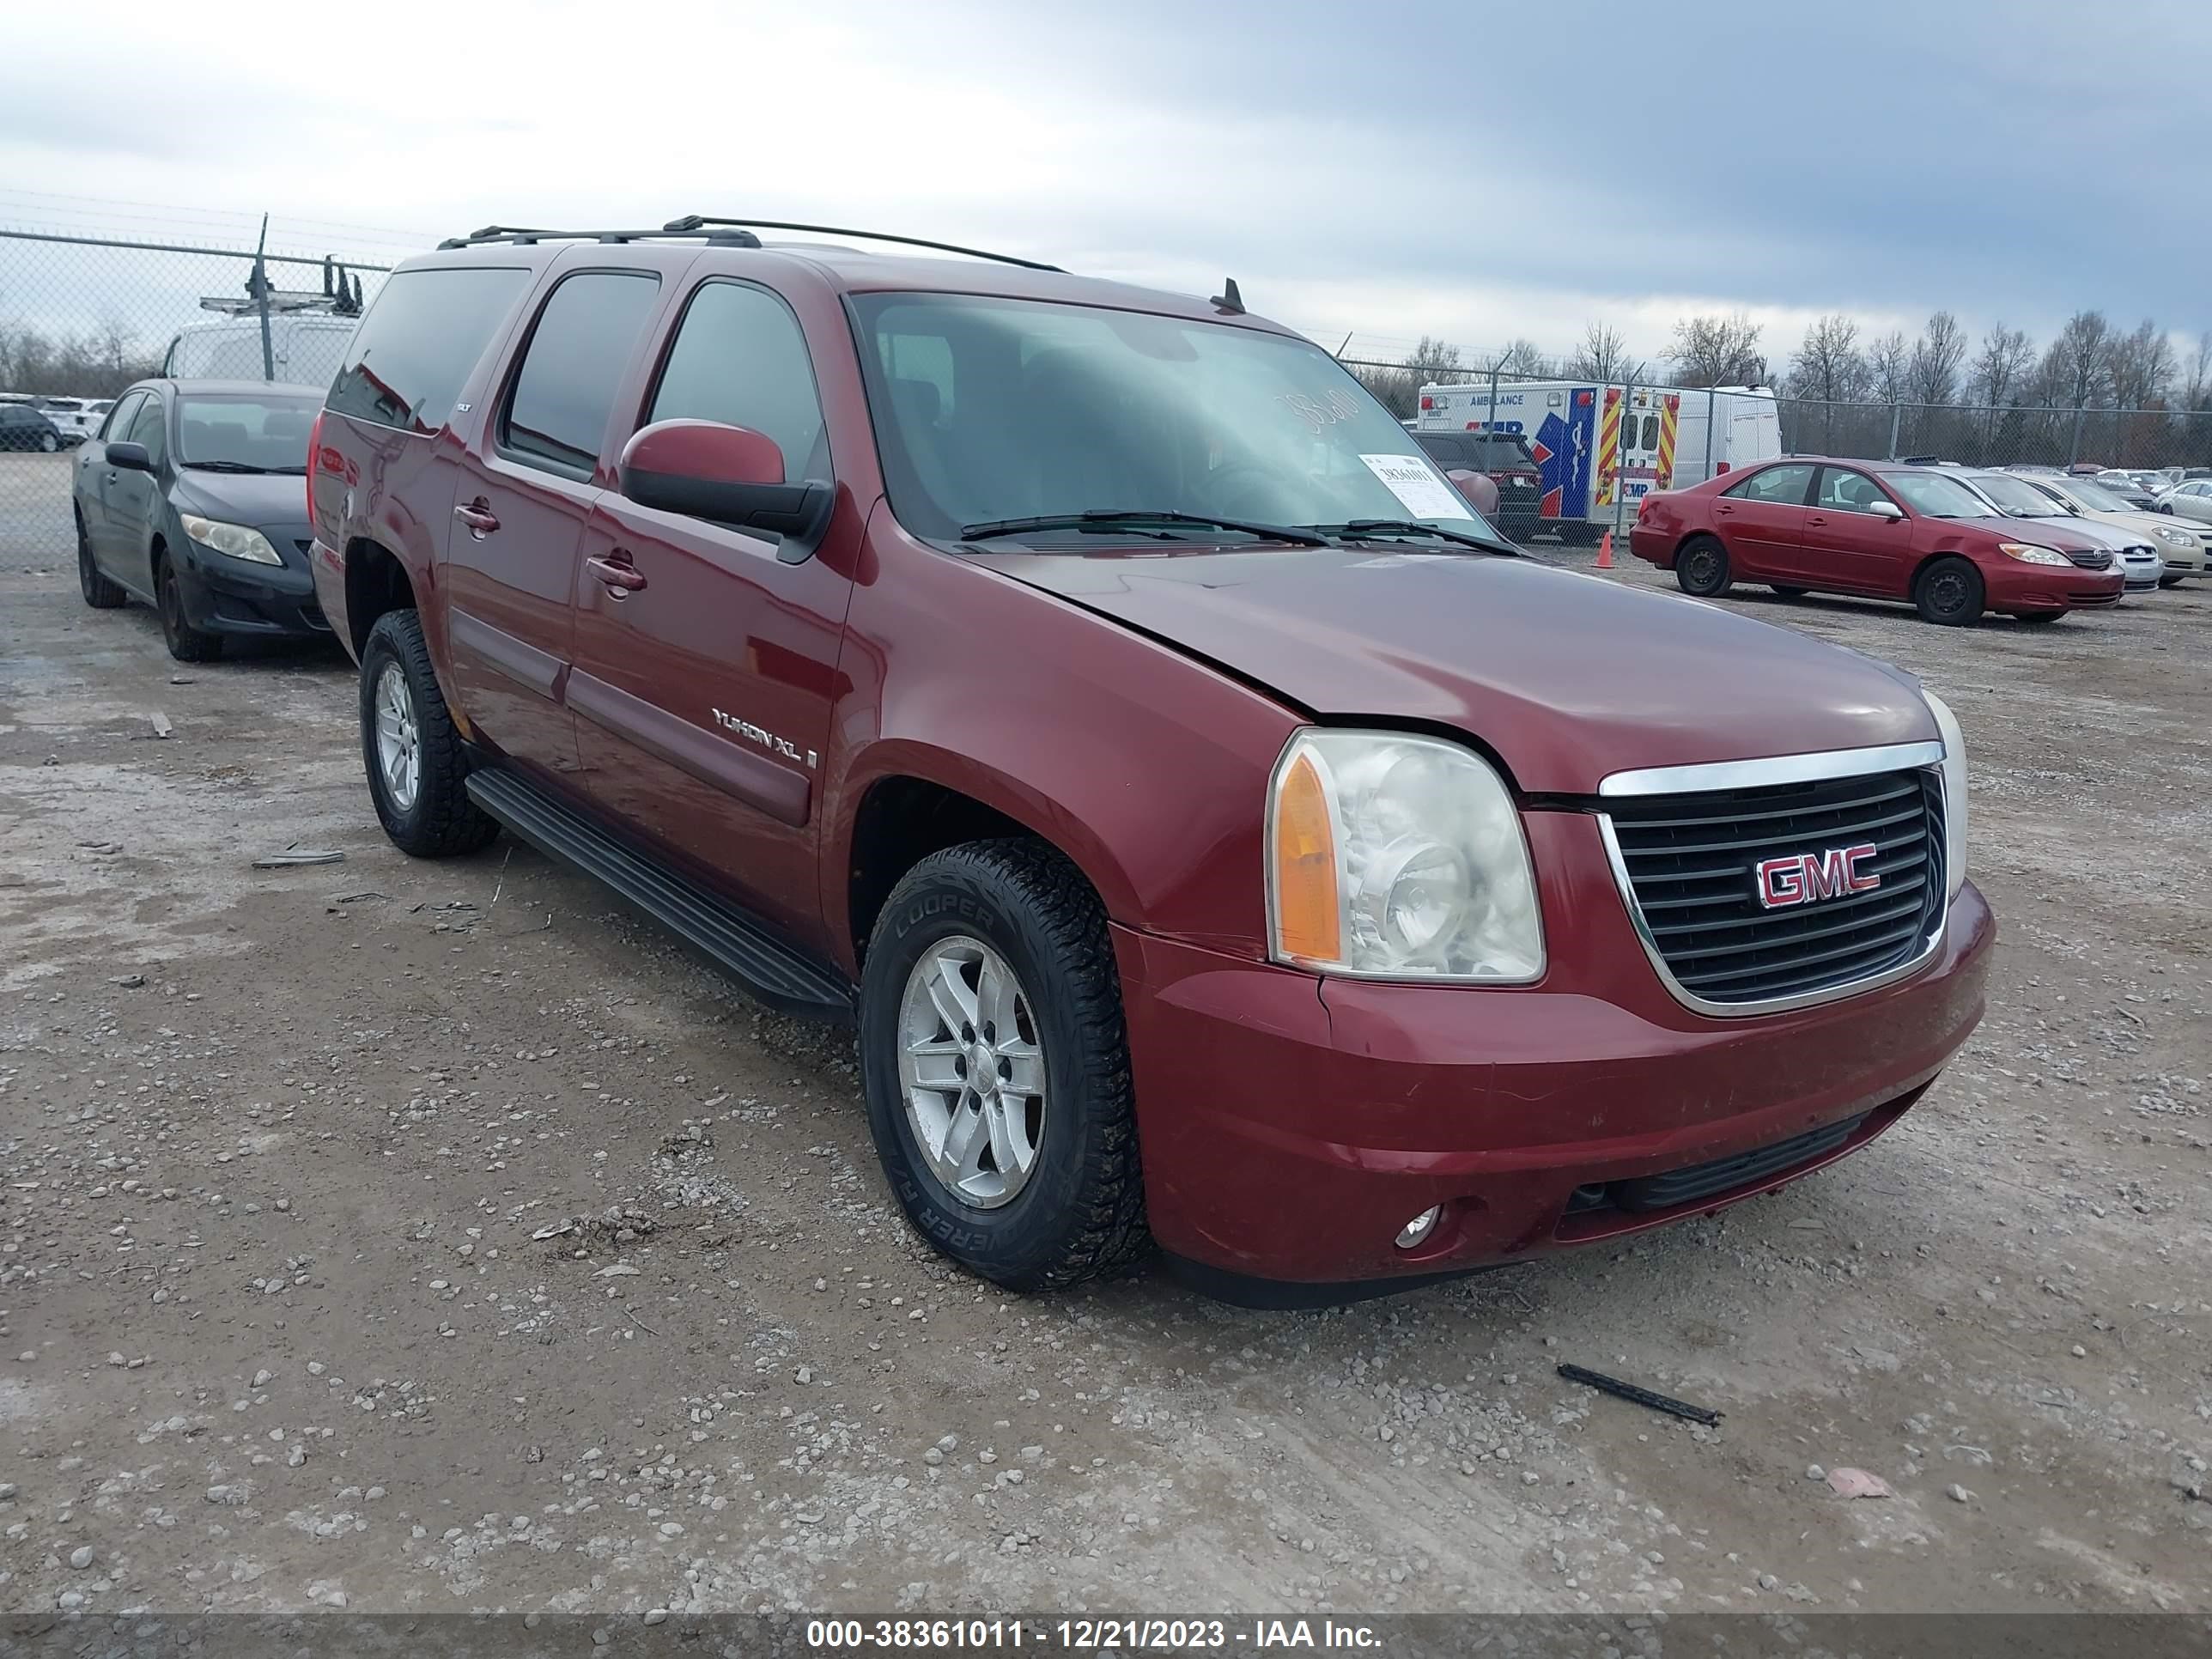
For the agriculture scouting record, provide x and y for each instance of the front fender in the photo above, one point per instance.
(1147, 768)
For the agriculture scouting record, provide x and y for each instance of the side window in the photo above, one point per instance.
(740, 358)
(556, 415)
(1778, 486)
(1845, 491)
(150, 426)
(414, 351)
(118, 418)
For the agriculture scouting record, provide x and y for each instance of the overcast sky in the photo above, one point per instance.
(1455, 167)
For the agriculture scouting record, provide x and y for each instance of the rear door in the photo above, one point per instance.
(1761, 521)
(527, 481)
(1848, 546)
(94, 474)
(133, 496)
(705, 663)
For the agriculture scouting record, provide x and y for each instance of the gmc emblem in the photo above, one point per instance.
(1805, 877)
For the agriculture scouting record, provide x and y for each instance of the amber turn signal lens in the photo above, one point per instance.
(1308, 921)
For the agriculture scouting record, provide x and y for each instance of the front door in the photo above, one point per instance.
(706, 663)
(1762, 520)
(527, 484)
(1847, 544)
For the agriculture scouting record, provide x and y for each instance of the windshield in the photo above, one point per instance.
(2096, 497)
(989, 409)
(1938, 496)
(257, 433)
(2020, 500)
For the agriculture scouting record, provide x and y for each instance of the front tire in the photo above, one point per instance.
(990, 964)
(1701, 568)
(1788, 591)
(186, 643)
(2040, 618)
(100, 592)
(48, 443)
(417, 762)
(1949, 594)
(2170, 579)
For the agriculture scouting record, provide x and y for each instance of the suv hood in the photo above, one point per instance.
(1567, 677)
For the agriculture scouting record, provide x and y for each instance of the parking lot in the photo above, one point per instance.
(428, 1238)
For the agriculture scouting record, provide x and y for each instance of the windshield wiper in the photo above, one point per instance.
(1378, 529)
(1102, 519)
(228, 467)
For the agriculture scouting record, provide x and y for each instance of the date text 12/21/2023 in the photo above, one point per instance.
(1088, 1635)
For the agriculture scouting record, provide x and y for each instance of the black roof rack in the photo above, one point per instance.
(720, 233)
(524, 235)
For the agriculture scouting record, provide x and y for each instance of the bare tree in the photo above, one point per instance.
(2197, 388)
(1601, 356)
(1888, 361)
(1397, 386)
(2141, 367)
(2076, 368)
(2002, 364)
(1828, 367)
(1934, 374)
(1524, 356)
(1711, 349)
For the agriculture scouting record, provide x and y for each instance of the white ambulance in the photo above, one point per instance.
(1601, 448)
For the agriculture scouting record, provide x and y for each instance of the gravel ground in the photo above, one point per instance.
(428, 1238)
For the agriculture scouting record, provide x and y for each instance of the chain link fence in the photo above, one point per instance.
(82, 317)
(1978, 434)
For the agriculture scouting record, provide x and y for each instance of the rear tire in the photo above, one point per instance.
(1701, 568)
(1018, 915)
(417, 763)
(100, 592)
(1949, 593)
(186, 643)
(48, 443)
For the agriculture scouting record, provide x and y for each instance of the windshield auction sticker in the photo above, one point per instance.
(1415, 483)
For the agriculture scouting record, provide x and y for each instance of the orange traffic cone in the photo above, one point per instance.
(1605, 552)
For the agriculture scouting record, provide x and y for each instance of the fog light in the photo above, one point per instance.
(1415, 1232)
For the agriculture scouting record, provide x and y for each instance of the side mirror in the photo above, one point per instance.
(1481, 492)
(727, 475)
(131, 458)
(1889, 510)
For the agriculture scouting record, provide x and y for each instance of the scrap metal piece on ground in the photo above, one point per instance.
(296, 853)
(1634, 1395)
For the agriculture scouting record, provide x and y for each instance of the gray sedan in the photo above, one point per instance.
(193, 499)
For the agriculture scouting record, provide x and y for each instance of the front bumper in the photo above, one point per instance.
(2010, 586)
(236, 597)
(1291, 1126)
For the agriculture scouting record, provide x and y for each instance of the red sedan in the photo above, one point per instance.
(1874, 530)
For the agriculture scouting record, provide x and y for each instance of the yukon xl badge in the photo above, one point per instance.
(1805, 877)
(768, 740)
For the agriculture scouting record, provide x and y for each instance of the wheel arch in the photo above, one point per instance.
(376, 581)
(915, 801)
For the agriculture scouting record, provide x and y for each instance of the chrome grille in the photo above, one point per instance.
(1690, 863)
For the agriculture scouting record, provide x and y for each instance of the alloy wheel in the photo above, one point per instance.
(398, 737)
(972, 1072)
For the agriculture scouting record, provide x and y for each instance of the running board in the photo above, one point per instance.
(779, 975)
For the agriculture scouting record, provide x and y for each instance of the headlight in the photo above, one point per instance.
(1398, 857)
(2174, 538)
(2027, 553)
(1954, 791)
(234, 539)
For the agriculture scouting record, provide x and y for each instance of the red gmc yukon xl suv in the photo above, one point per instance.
(1218, 836)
